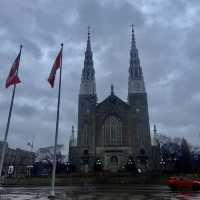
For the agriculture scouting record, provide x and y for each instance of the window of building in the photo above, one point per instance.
(112, 131)
(140, 133)
(85, 135)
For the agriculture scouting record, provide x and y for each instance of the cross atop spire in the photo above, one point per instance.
(88, 40)
(133, 44)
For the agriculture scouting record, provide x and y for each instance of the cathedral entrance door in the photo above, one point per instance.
(85, 166)
(113, 163)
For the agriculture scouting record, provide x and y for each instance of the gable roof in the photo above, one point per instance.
(113, 100)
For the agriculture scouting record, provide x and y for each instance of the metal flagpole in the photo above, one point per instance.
(56, 134)
(8, 125)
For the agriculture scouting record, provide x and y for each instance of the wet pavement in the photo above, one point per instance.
(106, 192)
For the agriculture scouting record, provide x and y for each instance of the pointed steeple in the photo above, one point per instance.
(88, 41)
(112, 89)
(154, 130)
(88, 62)
(88, 85)
(133, 43)
(136, 80)
(134, 58)
(72, 138)
(73, 132)
(155, 141)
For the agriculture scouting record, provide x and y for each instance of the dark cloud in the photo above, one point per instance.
(167, 37)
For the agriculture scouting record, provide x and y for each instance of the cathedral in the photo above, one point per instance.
(112, 132)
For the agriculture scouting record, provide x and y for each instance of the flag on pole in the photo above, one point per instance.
(56, 66)
(13, 75)
(12, 79)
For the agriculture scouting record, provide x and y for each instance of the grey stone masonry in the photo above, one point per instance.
(113, 132)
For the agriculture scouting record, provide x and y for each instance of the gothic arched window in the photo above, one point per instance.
(141, 134)
(92, 75)
(137, 73)
(131, 73)
(88, 74)
(85, 135)
(140, 72)
(112, 131)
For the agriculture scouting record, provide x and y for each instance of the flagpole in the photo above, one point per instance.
(56, 134)
(8, 125)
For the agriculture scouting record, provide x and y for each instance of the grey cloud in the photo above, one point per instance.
(168, 48)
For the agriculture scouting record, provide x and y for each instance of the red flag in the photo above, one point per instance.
(56, 66)
(13, 76)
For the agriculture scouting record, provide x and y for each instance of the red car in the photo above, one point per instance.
(183, 182)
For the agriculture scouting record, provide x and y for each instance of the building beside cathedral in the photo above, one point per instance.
(112, 131)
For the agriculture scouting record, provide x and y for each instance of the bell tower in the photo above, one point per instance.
(137, 99)
(86, 109)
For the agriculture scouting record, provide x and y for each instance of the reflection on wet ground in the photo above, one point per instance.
(106, 192)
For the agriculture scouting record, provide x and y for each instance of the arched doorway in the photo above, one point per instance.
(85, 161)
(113, 163)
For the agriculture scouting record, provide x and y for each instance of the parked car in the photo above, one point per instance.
(175, 183)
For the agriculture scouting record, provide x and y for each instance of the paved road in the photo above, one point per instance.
(89, 192)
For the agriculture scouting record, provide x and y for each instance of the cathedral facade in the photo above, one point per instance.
(112, 131)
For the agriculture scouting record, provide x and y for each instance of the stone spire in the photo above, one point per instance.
(155, 141)
(112, 89)
(88, 85)
(72, 138)
(88, 53)
(136, 80)
(134, 58)
(155, 130)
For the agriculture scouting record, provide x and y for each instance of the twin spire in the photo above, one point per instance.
(72, 138)
(155, 140)
(134, 58)
(88, 41)
(133, 43)
(88, 62)
(136, 82)
(88, 85)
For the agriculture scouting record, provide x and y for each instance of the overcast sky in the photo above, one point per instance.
(168, 39)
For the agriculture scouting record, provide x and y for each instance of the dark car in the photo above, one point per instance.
(175, 182)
